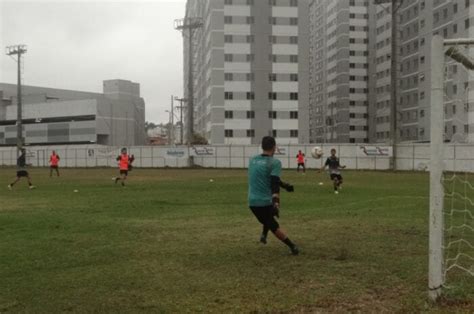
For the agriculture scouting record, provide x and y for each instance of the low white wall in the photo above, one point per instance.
(458, 157)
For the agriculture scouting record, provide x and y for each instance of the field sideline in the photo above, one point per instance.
(173, 241)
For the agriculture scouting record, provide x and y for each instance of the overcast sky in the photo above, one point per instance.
(78, 44)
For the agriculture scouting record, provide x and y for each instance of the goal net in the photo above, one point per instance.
(451, 265)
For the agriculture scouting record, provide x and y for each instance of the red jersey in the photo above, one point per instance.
(124, 161)
(54, 160)
(300, 158)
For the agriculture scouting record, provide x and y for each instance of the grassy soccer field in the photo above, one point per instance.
(173, 241)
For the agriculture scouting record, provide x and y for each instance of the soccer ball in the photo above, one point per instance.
(316, 152)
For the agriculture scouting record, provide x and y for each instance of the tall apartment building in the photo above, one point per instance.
(339, 66)
(251, 70)
(419, 20)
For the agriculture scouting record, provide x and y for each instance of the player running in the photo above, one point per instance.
(54, 163)
(334, 170)
(21, 171)
(300, 160)
(124, 162)
(264, 192)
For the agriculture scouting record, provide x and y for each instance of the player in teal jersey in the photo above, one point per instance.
(264, 192)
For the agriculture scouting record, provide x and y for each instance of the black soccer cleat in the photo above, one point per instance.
(295, 250)
(263, 239)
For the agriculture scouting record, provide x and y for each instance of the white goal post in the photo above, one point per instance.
(439, 48)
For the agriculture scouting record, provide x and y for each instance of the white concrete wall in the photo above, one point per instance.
(409, 157)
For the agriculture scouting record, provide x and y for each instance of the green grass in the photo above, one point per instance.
(172, 241)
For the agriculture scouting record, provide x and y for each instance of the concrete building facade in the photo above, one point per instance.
(339, 71)
(251, 70)
(55, 116)
(346, 70)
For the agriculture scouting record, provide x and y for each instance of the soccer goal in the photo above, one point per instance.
(451, 218)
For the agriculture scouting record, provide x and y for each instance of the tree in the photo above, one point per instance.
(150, 126)
(198, 139)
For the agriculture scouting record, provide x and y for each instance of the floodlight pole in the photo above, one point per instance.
(190, 24)
(10, 51)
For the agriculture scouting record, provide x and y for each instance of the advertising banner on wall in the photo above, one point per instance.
(375, 151)
(202, 151)
(176, 152)
(280, 151)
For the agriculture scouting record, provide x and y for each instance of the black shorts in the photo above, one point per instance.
(266, 216)
(22, 173)
(125, 172)
(301, 164)
(54, 167)
(336, 176)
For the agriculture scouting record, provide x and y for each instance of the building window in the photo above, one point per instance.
(227, 19)
(466, 24)
(228, 57)
(229, 114)
(249, 76)
(274, 133)
(228, 38)
(229, 133)
(293, 3)
(352, 115)
(272, 96)
(293, 114)
(250, 95)
(293, 40)
(228, 2)
(293, 21)
(293, 96)
(251, 133)
(293, 133)
(294, 59)
(250, 114)
(228, 76)
(294, 77)
(272, 77)
(229, 95)
(272, 114)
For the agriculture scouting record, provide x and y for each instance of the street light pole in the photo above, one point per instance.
(181, 108)
(10, 51)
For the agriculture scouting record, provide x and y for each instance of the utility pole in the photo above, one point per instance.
(181, 108)
(172, 121)
(18, 50)
(190, 24)
(394, 97)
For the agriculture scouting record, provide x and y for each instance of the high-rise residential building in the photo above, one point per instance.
(336, 78)
(419, 21)
(251, 70)
(339, 66)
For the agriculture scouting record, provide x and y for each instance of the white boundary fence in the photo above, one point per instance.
(458, 157)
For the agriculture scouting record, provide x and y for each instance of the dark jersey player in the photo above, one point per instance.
(334, 170)
(264, 192)
(21, 171)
